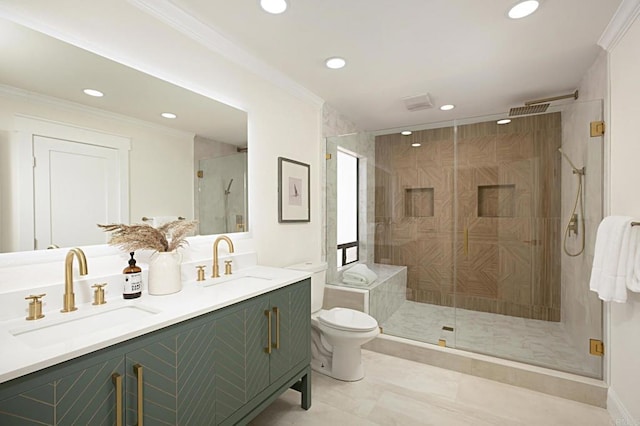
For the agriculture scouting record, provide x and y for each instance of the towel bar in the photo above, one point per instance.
(635, 223)
(146, 219)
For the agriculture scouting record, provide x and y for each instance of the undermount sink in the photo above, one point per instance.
(36, 335)
(235, 277)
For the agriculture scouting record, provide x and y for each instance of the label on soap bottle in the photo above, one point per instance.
(132, 285)
(132, 280)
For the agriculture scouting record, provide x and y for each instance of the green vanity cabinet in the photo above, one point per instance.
(223, 367)
(85, 396)
(254, 362)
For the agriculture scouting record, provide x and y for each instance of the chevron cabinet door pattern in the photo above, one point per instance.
(280, 360)
(230, 358)
(173, 370)
(294, 306)
(257, 368)
(86, 397)
(196, 378)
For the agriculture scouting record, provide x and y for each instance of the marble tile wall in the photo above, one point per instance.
(362, 145)
(342, 297)
(381, 299)
(333, 124)
(512, 265)
(387, 297)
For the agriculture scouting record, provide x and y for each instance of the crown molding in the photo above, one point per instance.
(624, 17)
(177, 18)
(89, 110)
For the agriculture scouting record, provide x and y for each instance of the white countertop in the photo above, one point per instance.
(18, 356)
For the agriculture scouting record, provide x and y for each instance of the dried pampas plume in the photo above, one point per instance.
(168, 237)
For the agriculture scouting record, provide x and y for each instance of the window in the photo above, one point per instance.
(347, 218)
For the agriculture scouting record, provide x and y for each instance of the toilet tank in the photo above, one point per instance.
(318, 271)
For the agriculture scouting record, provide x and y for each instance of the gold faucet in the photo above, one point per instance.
(216, 269)
(69, 300)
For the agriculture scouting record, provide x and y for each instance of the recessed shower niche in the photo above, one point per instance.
(496, 200)
(418, 202)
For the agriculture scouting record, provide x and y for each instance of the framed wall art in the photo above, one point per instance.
(294, 202)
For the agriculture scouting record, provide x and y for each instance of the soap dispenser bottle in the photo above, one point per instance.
(132, 280)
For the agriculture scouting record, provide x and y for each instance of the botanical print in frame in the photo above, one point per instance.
(294, 203)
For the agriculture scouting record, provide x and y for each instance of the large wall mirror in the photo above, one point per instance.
(109, 158)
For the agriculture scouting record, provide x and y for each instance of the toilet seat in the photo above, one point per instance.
(347, 320)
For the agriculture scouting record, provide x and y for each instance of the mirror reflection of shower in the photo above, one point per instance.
(222, 192)
(226, 205)
(575, 221)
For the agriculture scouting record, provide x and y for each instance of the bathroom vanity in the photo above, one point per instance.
(214, 353)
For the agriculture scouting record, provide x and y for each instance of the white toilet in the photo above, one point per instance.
(336, 334)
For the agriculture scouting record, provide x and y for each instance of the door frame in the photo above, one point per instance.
(27, 127)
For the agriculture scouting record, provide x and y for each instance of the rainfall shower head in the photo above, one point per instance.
(538, 106)
(531, 109)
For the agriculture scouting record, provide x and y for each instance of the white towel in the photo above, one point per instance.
(609, 273)
(633, 266)
(359, 275)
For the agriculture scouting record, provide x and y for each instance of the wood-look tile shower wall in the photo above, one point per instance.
(508, 199)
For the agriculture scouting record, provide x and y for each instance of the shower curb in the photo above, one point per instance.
(565, 385)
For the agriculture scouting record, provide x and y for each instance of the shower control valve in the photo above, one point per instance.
(573, 224)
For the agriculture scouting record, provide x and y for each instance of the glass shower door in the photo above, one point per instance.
(518, 295)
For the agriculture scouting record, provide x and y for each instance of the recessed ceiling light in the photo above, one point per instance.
(274, 6)
(504, 121)
(416, 144)
(93, 92)
(335, 63)
(524, 8)
(447, 107)
(406, 132)
(168, 115)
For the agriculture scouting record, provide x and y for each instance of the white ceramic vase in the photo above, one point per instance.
(164, 273)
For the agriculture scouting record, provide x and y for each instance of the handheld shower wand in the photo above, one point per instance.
(226, 205)
(572, 225)
(228, 190)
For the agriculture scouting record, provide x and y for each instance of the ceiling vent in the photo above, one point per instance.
(418, 102)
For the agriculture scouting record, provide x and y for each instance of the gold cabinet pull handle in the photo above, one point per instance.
(268, 348)
(137, 369)
(117, 382)
(276, 311)
(466, 241)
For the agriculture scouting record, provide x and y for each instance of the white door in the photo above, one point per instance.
(76, 186)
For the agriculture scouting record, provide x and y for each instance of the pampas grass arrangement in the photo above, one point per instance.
(168, 237)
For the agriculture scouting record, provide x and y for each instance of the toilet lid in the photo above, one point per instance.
(348, 319)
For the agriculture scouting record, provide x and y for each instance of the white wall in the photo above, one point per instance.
(280, 123)
(624, 348)
(160, 160)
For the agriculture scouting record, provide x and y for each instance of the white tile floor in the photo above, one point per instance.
(543, 343)
(400, 392)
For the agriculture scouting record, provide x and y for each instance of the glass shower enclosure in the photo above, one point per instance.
(496, 229)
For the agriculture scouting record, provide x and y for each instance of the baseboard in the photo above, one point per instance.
(618, 412)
